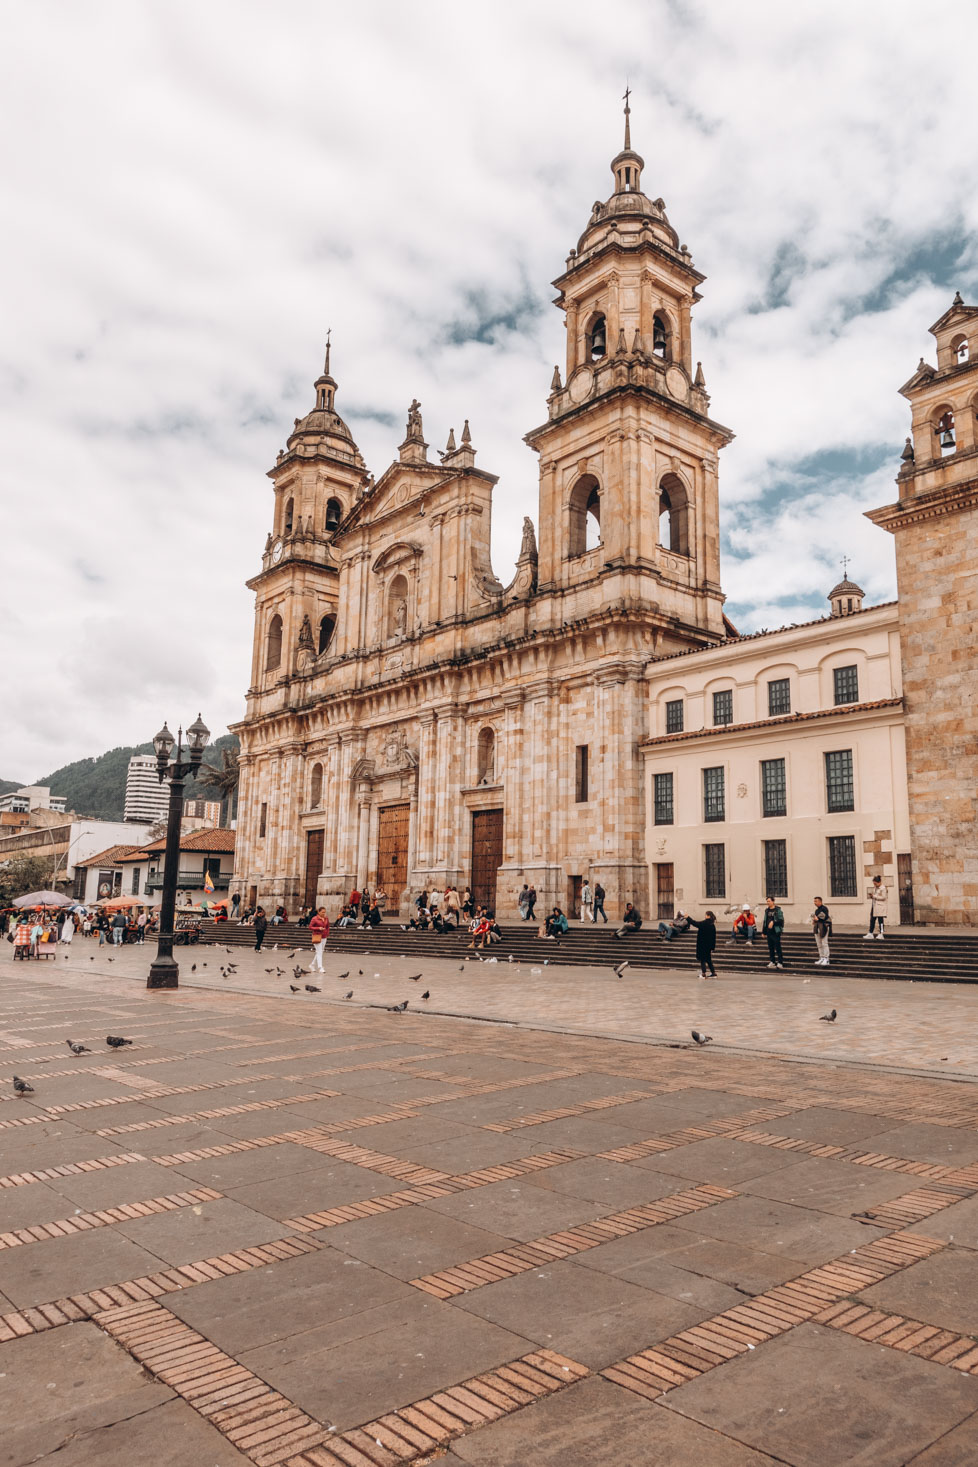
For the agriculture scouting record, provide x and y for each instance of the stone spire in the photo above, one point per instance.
(627, 166)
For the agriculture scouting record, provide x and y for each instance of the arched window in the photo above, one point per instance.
(584, 507)
(486, 756)
(660, 337)
(397, 607)
(334, 513)
(289, 512)
(959, 346)
(674, 515)
(273, 644)
(597, 339)
(326, 629)
(316, 787)
(325, 403)
(944, 429)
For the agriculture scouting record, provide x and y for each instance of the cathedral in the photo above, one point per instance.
(413, 723)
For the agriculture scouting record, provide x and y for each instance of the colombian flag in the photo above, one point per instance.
(208, 883)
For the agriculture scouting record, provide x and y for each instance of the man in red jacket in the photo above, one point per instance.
(319, 931)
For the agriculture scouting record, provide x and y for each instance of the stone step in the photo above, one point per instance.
(921, 956)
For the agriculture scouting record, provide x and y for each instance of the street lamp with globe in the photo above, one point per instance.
(165, 971)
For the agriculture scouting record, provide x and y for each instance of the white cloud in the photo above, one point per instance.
(194, 193)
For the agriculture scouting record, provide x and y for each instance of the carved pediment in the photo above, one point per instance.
(403, 552)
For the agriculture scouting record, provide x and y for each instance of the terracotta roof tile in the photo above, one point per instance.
(112, 854)
(199, 840)
(794, 626)
(788, 718)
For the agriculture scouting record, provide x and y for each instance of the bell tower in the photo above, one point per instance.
(317, 479)
(935, 525)
(629, 454)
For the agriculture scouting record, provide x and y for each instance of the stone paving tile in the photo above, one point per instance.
(942, 1290)
(287, 1299)
(592, 1420)
(613, 1184)
(434, 1348)
(190, 1442)
(929, 1143)
(596, 1318)
(63, 1383)
(41, 1202)
(472, 1149)
(248, 1168)
(781, 1228)
(959, 1448)
(330, 1184)
(74, 1265)
(813, 1397)
(210, 1227)
(114, 1186)
(413, 1242)
(720, 1160)
(518, 1209)
(828, 1186)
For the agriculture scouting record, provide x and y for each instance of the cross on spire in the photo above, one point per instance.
(845, 567)
(329, 333)
(628, 135)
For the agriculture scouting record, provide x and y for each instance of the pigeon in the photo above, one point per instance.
(115, 1041)
(461, 966)
(228, 950)
(293, 954)
(77, 1048)
(21, 1087)
(620, 970)
(294, 988)
(110, 960)
(296, 971)
(343, 975)
(414, 977)
(360, 971)
(274, 948)
(398, 1008)
(511, 958)
(311, 988)
(348, 995)
(280, 972)
(193, 967)
(91, 960)
(269, 970)
(426, 994)
(232, 967)
(701, 1039)
(829, 1018)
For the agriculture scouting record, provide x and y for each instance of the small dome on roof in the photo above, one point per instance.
(846, 597)
(846, 588)
(323, 428)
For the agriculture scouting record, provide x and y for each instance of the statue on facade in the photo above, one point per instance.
(414, 427)
(400, 619)
(529, 546)
(305, 634)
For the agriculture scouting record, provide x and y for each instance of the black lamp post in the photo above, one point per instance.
(165, 971)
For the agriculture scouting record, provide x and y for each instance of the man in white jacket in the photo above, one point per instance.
(879, 896)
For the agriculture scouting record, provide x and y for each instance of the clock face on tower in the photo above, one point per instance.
(277, 549)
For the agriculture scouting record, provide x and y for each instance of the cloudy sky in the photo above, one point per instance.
(193, 192)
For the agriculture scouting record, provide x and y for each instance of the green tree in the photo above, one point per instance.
(223, 780)
(21, 874)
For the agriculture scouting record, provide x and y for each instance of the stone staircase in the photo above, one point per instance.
(923, 955)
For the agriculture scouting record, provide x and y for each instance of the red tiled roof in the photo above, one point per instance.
(794, 626)
(734, 728)
(208, 841)
(112, 855)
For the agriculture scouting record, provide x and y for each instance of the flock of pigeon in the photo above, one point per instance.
(114, 1041)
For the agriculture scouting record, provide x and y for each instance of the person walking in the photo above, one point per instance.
(67, 931)
(706, 941)
(453, 910)
(822, 928)
(531, 902)
(235, 906)
(587, 902)
(318, 931)
(599, 903)
(118, 928)
(354, 902)
(261, 927)
(773, 927)
(523, 901)
(879, 895)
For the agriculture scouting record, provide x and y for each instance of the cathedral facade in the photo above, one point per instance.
(412, 722)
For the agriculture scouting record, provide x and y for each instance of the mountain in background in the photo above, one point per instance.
(6, 785)
(97, 787)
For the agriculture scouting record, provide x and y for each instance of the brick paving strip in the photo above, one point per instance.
(524, 1257)
(926, 1341)
(685, 1356)
(103, 1217)
(270, 1429)
(71, 1169)
(560, 1113)
(852, 1154)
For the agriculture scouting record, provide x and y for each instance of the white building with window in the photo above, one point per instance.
(146, 798)
(775, 765)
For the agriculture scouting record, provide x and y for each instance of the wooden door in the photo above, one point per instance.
(392, 855)
(487, 855)
(315, 845)
(905, 884)
(665, 891)
(574, 885)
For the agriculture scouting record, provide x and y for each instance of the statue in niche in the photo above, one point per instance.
(529, 546)
(305, 634)
(400, 619)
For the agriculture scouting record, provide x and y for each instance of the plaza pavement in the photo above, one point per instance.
(309, 1231)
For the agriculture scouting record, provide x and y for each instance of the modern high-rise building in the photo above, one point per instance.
(146, 798)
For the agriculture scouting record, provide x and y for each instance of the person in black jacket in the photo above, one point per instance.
(706, 941)
(261, 927)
